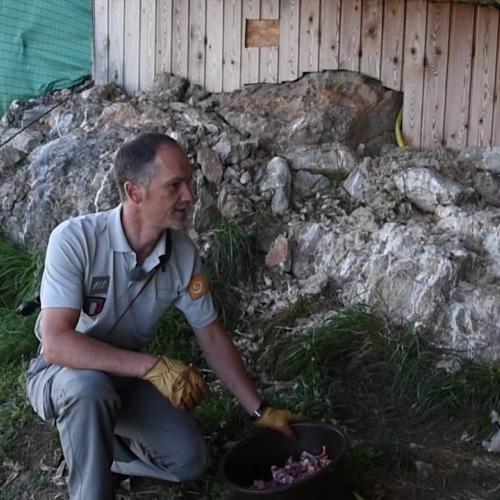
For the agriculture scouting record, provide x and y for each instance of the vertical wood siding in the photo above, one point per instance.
(444, 56)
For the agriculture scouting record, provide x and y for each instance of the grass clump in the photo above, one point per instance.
(15, 413)
(229, 263)
(175, 339)
(19, 278)
(358, 353)
(20, 275)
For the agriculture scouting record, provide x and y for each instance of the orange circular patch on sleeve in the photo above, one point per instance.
(198, 286)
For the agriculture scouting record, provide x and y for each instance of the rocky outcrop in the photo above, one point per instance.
(310, 168)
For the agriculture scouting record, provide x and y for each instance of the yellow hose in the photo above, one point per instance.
(397, 129)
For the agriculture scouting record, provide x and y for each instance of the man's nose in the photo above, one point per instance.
(187, 194)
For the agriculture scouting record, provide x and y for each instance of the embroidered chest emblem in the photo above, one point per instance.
(99, 284)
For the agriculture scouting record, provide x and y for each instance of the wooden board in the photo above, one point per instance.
(495, 136)
(288, 64)
(436, 49)
(163, 36)
(262, 33)
(392, 43)
(196, 48)
(249, 55)
(329, 34)
(131, 47)
(456, 120)
(180, 38)
(413, 71)
(268, 72)
(147, 46)
(483, 78)
(214, 54)
(116, 41)
(371, 38)
(350, 35)
(309, 36)
(232, 44)
(101, 42)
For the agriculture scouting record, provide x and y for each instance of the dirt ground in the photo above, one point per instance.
(445, 466)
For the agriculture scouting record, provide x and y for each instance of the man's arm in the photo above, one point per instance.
(64, 346)
(225, 359)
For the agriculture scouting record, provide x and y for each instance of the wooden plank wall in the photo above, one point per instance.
(444, 56)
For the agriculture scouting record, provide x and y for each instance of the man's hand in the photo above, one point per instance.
(279, 420)
(182, 385)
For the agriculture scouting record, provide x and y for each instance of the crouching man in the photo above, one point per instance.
(108, 278)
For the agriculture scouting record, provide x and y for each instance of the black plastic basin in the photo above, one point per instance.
(252, 458)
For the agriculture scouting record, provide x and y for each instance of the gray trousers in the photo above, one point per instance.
(118, 424)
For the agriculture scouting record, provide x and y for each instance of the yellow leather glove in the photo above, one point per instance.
(279, 420)
(182, 385)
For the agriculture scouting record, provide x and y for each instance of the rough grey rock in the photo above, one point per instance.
(484, 158)
(23, 140)
(323, 158)
(331, 106)
(307, 184)
(428, 189)
(9, 157)
(211, 165)
(33, 114)
(234, 149)
(438, 272)
(278, 180)
(356, 183)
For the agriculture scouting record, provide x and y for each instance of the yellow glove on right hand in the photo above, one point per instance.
(279, 420)
(182, 385)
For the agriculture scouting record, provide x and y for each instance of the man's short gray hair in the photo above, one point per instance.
(135, 160)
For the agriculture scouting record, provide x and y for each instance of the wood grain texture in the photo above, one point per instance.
(288, 65)
(309, 36)
(262, 33)
(232, 44)
(413, 71)
(268, 72)
(147, 48)
(132, 46)
(393, 43)
(214, 49)
(436, 49)
(495, 136)
(350, 35)
(163, 36)
(371, 38)
(180, 37)
(483, 78)
(116, 41)
(249, 55)
(456, 120)
(101, 42)
(196, 48)
(329, 34)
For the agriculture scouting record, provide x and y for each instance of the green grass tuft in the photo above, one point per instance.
(20, 275)
(229, 263)
(176, 339)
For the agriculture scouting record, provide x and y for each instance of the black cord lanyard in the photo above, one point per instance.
(163, 262)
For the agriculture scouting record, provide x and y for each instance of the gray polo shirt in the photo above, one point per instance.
(88, 265)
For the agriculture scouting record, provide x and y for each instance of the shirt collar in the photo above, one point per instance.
(118, 241)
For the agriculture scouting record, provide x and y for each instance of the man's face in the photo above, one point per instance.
(169, 195)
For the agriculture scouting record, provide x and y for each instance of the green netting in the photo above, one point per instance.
(44, 45)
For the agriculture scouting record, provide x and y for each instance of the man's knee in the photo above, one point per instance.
(84, 387)
(190, 461)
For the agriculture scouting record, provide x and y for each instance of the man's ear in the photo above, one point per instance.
(133, 191)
